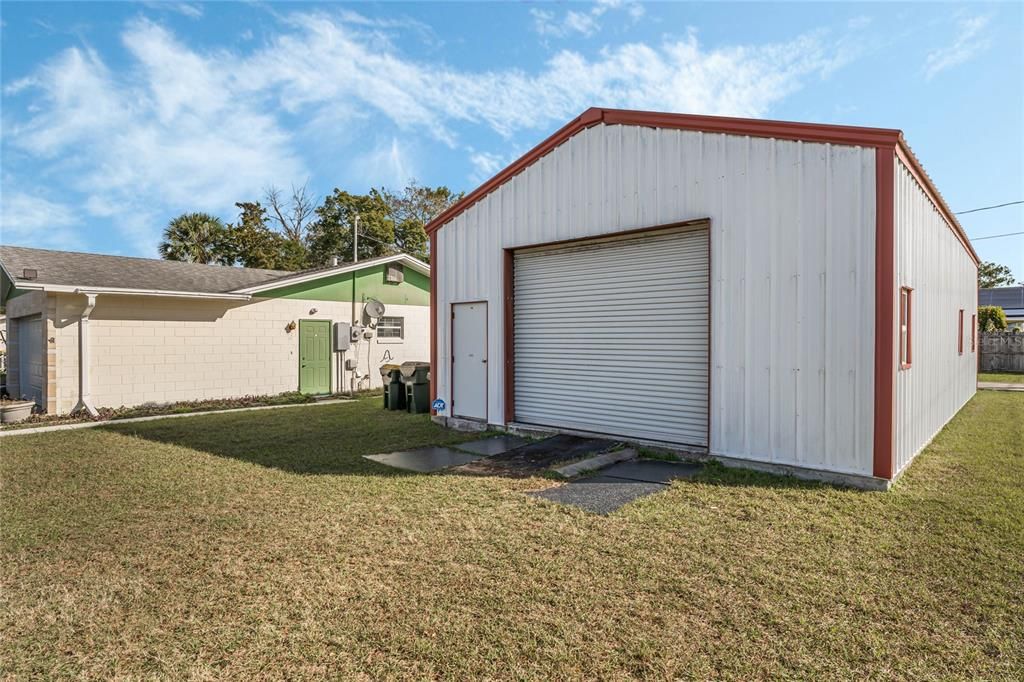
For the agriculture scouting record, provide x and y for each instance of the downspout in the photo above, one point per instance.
(355, 259)
(85, 399)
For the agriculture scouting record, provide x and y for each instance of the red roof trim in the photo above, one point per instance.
(784, 130)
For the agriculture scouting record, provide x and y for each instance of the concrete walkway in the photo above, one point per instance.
(999, 386)
(107, 422)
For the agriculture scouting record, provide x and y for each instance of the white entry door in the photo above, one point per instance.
(469, 360)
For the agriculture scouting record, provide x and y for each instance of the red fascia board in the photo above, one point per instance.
(783, 130)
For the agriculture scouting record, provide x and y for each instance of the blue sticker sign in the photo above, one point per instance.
(437, 405)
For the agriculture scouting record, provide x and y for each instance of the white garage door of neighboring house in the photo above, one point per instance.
(31, 360)
(612, 336)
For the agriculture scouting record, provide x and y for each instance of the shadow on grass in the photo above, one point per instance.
(716, 473)
(319, 439)
(333, 439)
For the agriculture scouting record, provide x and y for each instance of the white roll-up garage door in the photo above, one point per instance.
(611, 336)
(32, 364)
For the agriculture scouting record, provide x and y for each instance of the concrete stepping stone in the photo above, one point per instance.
(652, 471)
(424, 460)
(618, 485)
(493, 446)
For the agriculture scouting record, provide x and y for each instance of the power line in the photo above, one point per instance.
(989, 208)
(996, 236)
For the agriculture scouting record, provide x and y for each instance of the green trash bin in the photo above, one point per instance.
(416, 377)
(394, 391)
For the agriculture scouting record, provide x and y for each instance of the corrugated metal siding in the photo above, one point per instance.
(931, 261)
(792, 253)
(613, 337)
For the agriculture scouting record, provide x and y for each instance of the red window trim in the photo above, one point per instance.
(906, 311)
(974, 329)
(960, 332)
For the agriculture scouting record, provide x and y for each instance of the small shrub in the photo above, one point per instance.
(991, 318)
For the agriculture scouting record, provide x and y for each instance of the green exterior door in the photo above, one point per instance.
(314, 356)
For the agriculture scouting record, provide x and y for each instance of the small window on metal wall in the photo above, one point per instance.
(906, 330)
(974, 330)
(391, 328)
(960, 332)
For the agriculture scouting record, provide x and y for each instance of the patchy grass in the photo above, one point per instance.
(1002, 377)
(263, 545)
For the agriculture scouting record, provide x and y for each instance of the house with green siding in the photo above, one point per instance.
(87, 331)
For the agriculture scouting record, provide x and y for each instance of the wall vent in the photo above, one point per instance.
(394, 273)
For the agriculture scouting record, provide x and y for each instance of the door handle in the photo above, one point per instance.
(484, 361)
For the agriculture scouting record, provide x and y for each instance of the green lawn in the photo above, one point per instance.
(1002, 377)
(262, 545)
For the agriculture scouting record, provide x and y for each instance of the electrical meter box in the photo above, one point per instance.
(342, 336)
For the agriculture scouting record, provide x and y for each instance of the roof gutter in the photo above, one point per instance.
(117, 291)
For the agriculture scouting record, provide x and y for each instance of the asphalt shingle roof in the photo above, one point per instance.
(94, 270)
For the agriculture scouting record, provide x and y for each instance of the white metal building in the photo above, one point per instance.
(790, 296)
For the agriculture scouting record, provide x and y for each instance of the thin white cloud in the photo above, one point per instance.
(186, 9)
(550, 24)
(182, 129)
(388, 163)
(174, 133)
(968, 42)
(30, 219)
(486, 164)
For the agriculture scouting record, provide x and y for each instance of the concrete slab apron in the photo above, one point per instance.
(493, 446)
(424, 460)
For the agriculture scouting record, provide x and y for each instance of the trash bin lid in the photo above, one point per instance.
(387, 369)
(409, 369)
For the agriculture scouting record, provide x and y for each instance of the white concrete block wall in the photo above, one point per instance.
(149, 349)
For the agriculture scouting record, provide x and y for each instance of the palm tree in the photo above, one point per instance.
(196, 238)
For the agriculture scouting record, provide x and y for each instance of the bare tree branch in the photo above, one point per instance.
(292, 215)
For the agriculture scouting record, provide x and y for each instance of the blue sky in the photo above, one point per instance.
(118, 116)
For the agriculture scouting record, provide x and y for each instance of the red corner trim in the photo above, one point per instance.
(508, 312)
(885, 300)
(433, 320)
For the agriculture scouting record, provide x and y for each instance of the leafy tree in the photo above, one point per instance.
(331, 233)
(196, 238)
(254, 245)
(991, 318)
(412, 209)
(994, 275)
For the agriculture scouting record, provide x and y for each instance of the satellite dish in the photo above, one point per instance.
(373, 308)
